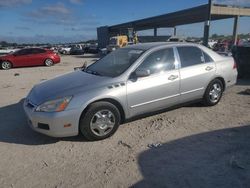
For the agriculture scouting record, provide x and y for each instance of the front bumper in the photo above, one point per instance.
(55, 121)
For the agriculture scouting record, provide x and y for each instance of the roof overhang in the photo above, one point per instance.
(183, 17)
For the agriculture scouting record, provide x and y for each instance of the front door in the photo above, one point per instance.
(158, 90)
(22, 57)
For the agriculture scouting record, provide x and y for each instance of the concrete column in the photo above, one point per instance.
(155, 32)
(175, 31)
(235, 32)
(206, 33)
(207, 25)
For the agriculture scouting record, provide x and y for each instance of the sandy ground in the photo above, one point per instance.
(200, 146)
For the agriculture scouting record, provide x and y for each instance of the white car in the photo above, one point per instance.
(64, 50)
(7, 51)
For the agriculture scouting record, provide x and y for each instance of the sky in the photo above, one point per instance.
(55, 21)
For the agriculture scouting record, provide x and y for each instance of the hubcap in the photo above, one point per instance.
(215, 93)
(102, 123)
(48, 62)
(6, 65)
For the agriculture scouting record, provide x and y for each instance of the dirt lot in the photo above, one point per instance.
(201, 146)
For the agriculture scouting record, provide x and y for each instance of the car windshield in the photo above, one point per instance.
(115, 63)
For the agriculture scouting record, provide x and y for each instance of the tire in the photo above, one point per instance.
(48, 62)
(64, 52)
(5, 65)
(213, 93)
(101, 121)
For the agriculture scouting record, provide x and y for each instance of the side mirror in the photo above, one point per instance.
(84, 66)
(142, 72)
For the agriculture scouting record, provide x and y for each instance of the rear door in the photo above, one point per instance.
(160, 89)
(197, 69)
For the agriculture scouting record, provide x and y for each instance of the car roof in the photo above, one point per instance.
(147, 46)
(151, 45)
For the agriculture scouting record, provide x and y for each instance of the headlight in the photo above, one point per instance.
(56, 105)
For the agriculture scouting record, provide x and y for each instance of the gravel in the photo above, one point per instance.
(199, 146)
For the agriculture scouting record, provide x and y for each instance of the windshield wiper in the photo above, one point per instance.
(92, 72)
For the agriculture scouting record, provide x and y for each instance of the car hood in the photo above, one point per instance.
(66, 85)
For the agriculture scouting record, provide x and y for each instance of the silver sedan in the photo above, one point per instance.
(128, 82)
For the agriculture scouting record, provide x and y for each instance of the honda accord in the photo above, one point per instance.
(128, 82)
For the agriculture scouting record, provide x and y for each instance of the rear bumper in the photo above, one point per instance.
(232, 80)
(55, 122)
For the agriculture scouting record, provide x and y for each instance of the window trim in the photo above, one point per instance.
(208, 56)
(149, 52)
(203, 52)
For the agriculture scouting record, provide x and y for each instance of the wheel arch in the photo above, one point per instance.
(12, 65)
(222, 80)
(44, 62)
(110, 100)
(219, 78)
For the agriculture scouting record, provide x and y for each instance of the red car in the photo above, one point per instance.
(29, 57)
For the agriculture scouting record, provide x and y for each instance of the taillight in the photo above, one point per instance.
(235, 65)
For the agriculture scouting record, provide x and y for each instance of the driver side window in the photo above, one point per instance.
(159, 61)
(23, 52)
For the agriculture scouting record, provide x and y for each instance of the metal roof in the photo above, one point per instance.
(187, 16)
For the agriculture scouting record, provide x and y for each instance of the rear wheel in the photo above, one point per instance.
(6, 65)
(213, 93)
(48, 62)
(101, 121)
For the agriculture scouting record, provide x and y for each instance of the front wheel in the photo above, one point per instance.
(6, 65)
(101, 121)
(213, 93)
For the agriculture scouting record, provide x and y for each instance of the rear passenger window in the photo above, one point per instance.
(207, 58)
(158, 61)
(190, 56)
(38, 51)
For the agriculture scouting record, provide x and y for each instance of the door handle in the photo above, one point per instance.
(209, 68)
(172, 77)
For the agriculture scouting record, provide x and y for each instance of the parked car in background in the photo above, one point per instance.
(77, 50)
(65, 50)
(176, 39)
(242, 57)
(130, 81)
(92, 48)
(29, 57)
(4, 51)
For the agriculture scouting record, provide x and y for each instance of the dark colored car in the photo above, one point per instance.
(76, 51)
(241, 55)
(93, 49)
(29, 57)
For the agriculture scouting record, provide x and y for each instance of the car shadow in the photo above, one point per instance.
(214, 159)
(15, 129)
(246, 92)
